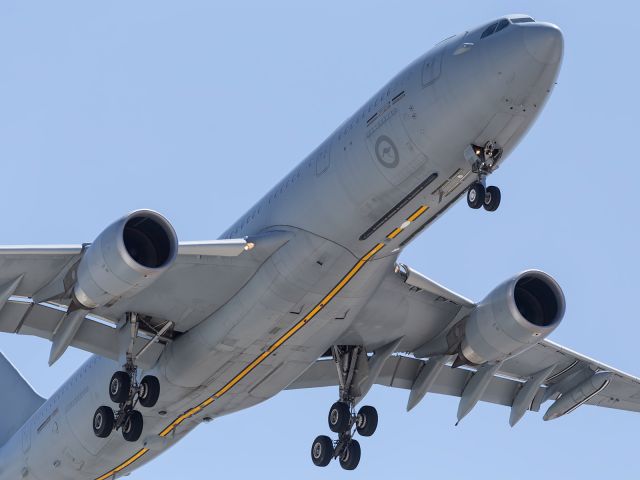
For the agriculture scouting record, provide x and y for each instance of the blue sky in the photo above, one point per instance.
(196, 108)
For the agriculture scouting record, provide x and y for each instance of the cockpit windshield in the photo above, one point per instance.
(502, 24)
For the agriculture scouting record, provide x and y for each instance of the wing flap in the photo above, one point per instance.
(401, 372)
(12, 315)
(37, 265)
(95, 335)
(572, 368)
(568, 372)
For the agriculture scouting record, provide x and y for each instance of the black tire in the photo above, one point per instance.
(119, 387)
(149, 391)
(350, 457)
(492, 199)
(103, 421)
(132, 426)
(367, 421)
(339, 417)
(475, 195)
(322, 451)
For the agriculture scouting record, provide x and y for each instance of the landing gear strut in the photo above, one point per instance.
(127, 392)
(343, 418)
(484, 160)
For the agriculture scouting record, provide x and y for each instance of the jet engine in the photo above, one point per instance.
(126, 258)
(513, 317)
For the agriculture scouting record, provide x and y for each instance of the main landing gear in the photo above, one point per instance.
(127, 392)
(342, 418)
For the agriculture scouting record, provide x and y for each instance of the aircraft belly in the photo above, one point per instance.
(280, 369)
(281, 298)
(282, 292)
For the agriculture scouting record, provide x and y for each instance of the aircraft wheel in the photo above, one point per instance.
(367, 421)
(475, 195)
(321, 451)
(350, 456)
(119, 387)
(492, 199)
(149, 391)
(132, 427)
(339, 417)
(103, 420)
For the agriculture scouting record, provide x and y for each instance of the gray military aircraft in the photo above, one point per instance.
(305, 290)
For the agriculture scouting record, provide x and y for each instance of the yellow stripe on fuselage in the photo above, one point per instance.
(417, 213)
(411, 218)
(231, 383)
(263, 356)
(308, 317)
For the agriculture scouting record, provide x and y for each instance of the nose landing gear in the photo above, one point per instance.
(484, 162)
(125, 390)
(342, 418)
(479, 196)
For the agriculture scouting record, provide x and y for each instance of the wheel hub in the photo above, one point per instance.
(126, 428)
(97, 421)
(345, 455)
(317, 450)
(334, 417)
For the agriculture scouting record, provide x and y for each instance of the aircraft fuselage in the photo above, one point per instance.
(352, 205)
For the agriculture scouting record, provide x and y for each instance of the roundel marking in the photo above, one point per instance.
(387, 152)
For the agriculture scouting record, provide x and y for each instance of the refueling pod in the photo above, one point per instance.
(125, 258)
(579, 395)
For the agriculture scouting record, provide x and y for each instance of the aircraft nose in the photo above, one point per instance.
(543, 41)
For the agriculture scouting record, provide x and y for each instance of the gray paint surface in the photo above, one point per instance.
(327, 213)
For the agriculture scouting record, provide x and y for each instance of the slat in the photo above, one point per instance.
(40, 250)
(220, 248)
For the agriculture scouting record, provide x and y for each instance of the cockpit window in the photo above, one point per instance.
(504, 23)
(495, 27)
(489, 30)
(522, 20)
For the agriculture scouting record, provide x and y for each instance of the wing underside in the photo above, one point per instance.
(412, 312)
(204, 276)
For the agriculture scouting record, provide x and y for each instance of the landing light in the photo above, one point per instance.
(249, 245)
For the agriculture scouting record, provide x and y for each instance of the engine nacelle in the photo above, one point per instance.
(513, 317)
(125, 259)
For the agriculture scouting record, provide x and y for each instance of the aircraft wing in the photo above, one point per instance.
(569, 371)
(204, 276)
(546, 372)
